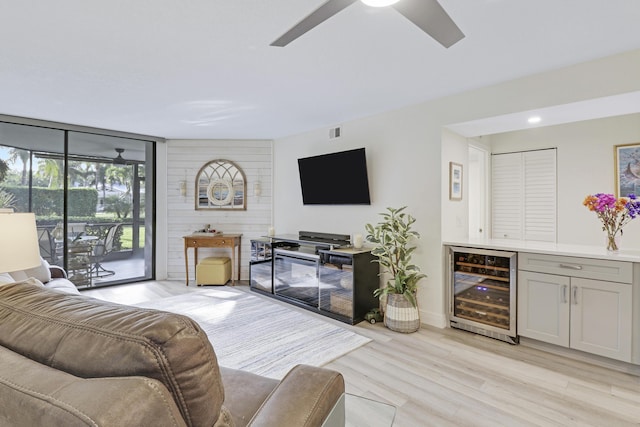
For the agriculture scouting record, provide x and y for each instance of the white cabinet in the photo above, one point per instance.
(543, 309)
(585, 304)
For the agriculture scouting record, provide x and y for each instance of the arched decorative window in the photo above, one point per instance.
(221, 184)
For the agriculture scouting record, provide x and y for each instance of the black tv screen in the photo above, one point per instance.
(335, 179)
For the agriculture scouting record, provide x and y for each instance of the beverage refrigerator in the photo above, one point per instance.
(482, 292)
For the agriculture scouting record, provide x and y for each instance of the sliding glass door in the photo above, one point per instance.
(92, 195)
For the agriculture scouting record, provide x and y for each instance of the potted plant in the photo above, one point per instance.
(392, 239)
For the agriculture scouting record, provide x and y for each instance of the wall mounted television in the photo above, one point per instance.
(335, 178)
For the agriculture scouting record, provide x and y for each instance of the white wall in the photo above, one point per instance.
(455, 147)
(585, 156)
(406, 159)
(403, 163)
(184, 160)
(408, 165)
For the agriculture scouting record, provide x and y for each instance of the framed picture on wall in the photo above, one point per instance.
(455, 181)
(627, 167)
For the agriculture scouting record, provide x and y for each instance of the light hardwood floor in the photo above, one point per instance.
(445, 377)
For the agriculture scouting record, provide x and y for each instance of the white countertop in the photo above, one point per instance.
(582, 251)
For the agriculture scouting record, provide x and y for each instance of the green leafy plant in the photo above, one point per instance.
(4, 170)
(120, 205)
(392, 238)
(7, 200)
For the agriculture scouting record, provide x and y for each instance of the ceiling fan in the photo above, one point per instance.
(119, 160)
(426, 14)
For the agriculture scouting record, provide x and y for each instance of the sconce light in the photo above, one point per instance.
(257, 188)
(183, 188)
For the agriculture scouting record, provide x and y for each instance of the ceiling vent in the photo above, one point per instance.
(335, 133)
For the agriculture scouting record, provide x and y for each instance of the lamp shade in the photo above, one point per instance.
(19, 249)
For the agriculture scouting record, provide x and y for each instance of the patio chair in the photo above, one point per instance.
(100, 251)
(76, 229)
(47, 245)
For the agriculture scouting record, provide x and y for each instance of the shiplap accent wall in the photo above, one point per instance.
(184, 160)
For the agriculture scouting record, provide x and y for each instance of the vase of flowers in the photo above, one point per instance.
(614, 212)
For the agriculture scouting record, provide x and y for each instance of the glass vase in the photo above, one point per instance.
(613, 242)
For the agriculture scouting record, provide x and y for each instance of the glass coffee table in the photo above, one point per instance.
(358, 411)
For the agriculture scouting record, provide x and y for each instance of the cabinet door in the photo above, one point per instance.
(543, 307)
(336, 288)
(601, 318)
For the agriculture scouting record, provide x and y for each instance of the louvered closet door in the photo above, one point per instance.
(506, 196)
(540, 195)
(524, 195)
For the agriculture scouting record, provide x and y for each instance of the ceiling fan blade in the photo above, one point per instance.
(432, 19)
(316, 18)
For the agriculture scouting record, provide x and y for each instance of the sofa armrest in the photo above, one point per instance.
(304, 397)
(57, 272)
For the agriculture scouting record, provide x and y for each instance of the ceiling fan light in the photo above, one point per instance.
(379, 3)
(119, 160)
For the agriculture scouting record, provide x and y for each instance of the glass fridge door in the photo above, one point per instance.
(484, 288)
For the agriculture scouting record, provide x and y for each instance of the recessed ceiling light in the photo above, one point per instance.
(534, 119)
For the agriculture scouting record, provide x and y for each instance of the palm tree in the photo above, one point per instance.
(4, 169)
(101, 178)
(81, 173)
(120, 174)
(51, 169)
(7, 199)
(23, 155)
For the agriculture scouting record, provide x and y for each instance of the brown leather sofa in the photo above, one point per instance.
(71, 360)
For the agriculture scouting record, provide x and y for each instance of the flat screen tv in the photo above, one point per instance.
(335, 178)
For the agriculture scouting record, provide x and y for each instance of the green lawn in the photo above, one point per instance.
(126, 239)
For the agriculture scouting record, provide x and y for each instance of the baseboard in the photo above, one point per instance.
(437, 320)
(581, 356)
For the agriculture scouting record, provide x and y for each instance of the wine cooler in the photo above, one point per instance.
(483, 292)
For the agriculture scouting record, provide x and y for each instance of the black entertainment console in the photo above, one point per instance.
(318, 271)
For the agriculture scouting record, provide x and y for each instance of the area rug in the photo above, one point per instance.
(260, 336)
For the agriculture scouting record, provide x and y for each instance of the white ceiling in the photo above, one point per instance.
(204, 68)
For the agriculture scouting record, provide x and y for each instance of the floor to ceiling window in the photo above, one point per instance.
(92, 194)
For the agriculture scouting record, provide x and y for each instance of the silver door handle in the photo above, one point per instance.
(571, 266)
(574, 298)
(564, 294)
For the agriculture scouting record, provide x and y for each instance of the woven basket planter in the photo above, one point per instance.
(400, 315)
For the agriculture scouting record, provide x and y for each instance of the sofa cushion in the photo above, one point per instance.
(40, 272)
(63, 285)
(6, 278)
(89, 338)
(19, 275)
(37, 395)
(241, 404)
(31, 281)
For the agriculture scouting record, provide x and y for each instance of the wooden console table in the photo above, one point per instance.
(231, 241)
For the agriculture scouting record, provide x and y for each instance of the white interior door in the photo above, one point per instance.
(478, 191)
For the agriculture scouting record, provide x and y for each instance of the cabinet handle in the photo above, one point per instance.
(564, 294)
(571, 266)
(574, 297)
